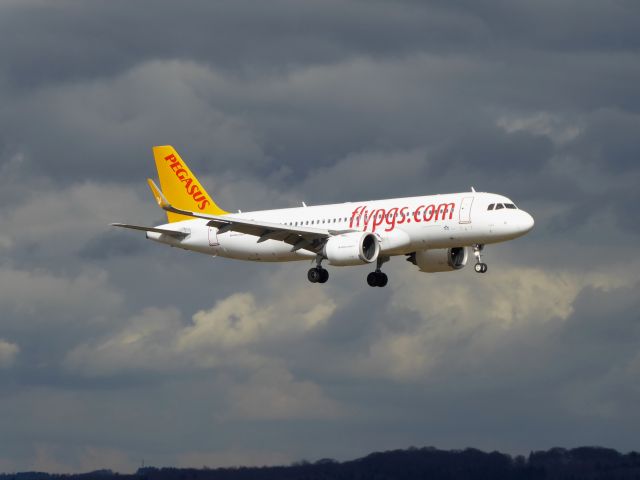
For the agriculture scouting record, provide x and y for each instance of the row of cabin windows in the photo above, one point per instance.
(345, 219)
(313, 222)
(498, 206)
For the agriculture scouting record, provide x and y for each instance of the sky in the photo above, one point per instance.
(116, 351)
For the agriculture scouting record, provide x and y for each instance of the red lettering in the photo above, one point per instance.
(444, 208)
(403, 215)
(379, 216)
(431, 209)
(391, 219)
(190, 186)
(366, 217)
(355, 216)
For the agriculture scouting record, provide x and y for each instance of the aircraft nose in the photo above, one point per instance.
(526, 222)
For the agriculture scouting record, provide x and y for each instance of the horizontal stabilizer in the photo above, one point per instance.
(165, 231)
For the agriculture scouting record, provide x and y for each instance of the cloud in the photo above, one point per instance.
(229, 333)
(273, 394)
(470, 318)
(50, 301)
(8, 353)
(238, 321)
(49, 222)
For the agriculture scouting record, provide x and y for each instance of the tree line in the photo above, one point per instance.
(584, 463)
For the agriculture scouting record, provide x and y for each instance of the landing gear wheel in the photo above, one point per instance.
(318, 275)
(481, 267)
(377, 279)
(324, 275)
(314, 275)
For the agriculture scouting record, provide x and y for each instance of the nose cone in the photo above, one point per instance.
(526, 222)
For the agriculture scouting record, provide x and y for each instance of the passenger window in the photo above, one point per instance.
(491, 206)
(499, 206)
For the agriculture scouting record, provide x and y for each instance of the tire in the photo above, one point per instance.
(484, 268)
(313, 275)
(372, 279)
(382, 279)
(324, 276)
(478, 267)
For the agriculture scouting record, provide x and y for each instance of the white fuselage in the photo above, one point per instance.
(402, 225)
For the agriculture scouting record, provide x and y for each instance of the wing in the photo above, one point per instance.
(298, 237)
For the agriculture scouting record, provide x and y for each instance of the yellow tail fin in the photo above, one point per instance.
(181, 187)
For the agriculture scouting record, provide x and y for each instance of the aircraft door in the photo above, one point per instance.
(213, 237)
(465, 210)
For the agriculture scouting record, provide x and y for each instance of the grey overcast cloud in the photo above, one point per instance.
(115, 350)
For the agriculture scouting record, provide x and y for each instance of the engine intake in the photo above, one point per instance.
(439, 259)
(355, 248)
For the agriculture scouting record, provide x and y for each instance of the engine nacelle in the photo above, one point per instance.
(355, 248)
(440, 259)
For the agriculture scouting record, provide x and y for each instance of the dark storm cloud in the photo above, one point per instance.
(68, 40)
(72, 40)
(113, 348)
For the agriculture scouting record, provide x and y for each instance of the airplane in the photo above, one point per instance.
(434, 232)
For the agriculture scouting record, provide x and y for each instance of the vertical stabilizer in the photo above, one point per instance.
(181, 187)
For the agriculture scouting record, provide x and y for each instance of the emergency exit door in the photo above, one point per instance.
(465, 210)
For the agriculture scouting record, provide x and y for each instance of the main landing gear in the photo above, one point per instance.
(318, 274)
(378, 278)
(479, 266)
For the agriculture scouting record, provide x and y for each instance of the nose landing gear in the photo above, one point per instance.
(479, 266)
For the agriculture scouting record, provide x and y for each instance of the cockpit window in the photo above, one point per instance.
(499, 206)
(510, 205)
(490, 207)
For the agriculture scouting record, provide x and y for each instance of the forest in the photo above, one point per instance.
(413, 463)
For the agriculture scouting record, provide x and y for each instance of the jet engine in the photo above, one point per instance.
(439, 259)
(355, 248)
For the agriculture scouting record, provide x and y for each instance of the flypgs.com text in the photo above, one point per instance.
(363, 218)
